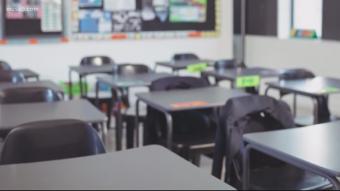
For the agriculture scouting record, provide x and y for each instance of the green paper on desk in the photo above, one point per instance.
(248, 81)
(197, 68)
(331, 90)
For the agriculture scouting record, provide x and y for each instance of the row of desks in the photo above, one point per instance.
(133, 169)
(197, 100)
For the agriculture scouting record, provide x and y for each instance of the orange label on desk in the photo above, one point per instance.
(189, 104)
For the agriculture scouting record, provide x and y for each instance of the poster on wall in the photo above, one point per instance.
(33, 17)
(138, 19)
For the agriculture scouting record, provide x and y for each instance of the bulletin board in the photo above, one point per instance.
(140, 19)
(65, 20)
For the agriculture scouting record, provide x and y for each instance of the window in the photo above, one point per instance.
(307, 15)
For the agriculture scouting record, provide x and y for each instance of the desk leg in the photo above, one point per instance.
(316, 110)
(169, 126)
(232, 84)
(295, 106)
(119, 123)
(137, 124)
(70, 89)
(81, 86)
(246, 166)
(97, 95)
(109, 111)
(267, 91)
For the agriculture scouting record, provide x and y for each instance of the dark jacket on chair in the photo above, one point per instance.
(245, 115)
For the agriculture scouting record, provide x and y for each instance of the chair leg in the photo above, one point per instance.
(196, 159)
(130, 127)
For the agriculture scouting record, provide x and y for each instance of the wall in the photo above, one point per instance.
(52, 60)
(322, 57)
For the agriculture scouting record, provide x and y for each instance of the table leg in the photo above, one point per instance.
(169, 126)
(295, 105)
(81, 85)
(103, 132)
(137, 124)
(316, 110)
(97, 95)
(155, 68)
(70, 89)
(109, 111)
(119, 123)
(246, 166)
(267, 91)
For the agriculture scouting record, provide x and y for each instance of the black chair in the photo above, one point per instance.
(104, 98)
(4, 66)
(300, 74)
(194, 131)
(224, 65)
(96, 61)
(50, 140)
(295, 74)
(29, 95)
(252, 114)
(185, 57)
(129, 112)
(11, 77)
(132, 69)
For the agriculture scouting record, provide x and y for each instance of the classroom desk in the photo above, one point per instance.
(118, 83)
(315, 149)
(176, 66)
(12, 115)
(28, 74)
(316, 87)
(83, 71)
(232, 74)
(45, 83)
(126, 170)
(168, 102)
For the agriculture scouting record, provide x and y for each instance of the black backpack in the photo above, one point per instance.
(247, 115)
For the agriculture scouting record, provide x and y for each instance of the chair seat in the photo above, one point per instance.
(286, 178)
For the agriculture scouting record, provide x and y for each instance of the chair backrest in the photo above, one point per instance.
(243, 115)
(50, 140)
(225, 64)
(296, 74)
(130, 69)
(155, 119)
(177, 82)
(11, 77)
(96, 61)
(185, 57)
(4, 66)
(29, 95)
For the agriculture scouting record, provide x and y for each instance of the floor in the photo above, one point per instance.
(206, 163)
